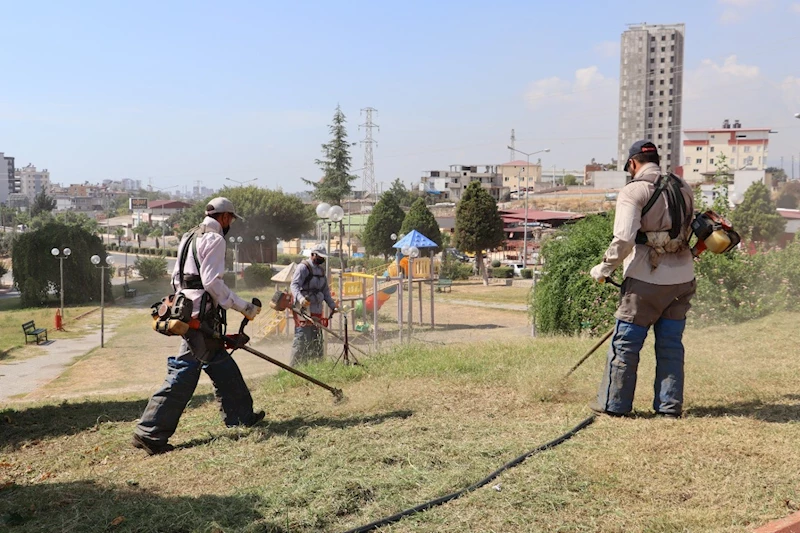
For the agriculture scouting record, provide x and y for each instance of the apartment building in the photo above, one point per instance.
(518, 174)
(449, 185)
(32, 181)
(743, 148)
(8, 181)
(651, 90)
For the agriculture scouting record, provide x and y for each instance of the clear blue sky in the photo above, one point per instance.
(187, 91)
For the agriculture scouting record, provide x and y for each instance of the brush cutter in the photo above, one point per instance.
(599, 342)
(238, 341)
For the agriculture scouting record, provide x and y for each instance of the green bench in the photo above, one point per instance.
(129, 293)
(30, 330)
(444, 283)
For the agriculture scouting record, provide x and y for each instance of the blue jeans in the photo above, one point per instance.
(163, 412)
(619, 379)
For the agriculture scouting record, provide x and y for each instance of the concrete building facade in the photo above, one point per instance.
(516, 175)
(651, 90)
(32, 181)
(449, 185)
(8, 181)
(743, 148)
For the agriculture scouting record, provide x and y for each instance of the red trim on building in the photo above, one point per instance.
(695, 143)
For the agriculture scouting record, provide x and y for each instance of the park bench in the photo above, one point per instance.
(129, 293)
(30, 330)
(444, 283)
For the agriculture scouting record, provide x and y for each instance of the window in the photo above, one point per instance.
(733, 149)
(663, 37)
(695, 170)
(661, 82)
(662, 70)
(688, 160)
(660, 136)
(652, 82)
(660, 114)
(669, 146)
(710, 161)
(669, 135)
(662, 59)
(758, 148)
(698, 161)
(652, 50)
(712, 136)
(672, 36)
(670, 92)
(699, 148)
(733, 161)
(746, 149)
(672, 48)
(652, 60)
(660, 125)
(711, 149)
(650, 114)
(672, 58)
(660, 93)
(650, 126)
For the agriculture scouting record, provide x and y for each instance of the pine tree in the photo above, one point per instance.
(336, 181)
(756, 218)
(386, 218)
(478, 224)
(42, 203)
(421, 219)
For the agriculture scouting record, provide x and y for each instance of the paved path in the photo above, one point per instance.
(28, 375)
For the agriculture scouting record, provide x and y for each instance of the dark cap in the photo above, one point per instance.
(639, 147)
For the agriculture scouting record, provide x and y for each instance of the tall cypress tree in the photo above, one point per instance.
(386, 218)
(336, 181)
(478, 224)
(420, 218)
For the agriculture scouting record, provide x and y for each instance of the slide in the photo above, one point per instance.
(383, 296)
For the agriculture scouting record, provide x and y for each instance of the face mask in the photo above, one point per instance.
(226, 230)
(319, 260)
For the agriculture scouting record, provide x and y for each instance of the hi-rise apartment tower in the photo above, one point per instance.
(651, 90)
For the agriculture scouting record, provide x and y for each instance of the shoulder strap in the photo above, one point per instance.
(661, 185)
(676, 205)
(192, 241)
(310, 273)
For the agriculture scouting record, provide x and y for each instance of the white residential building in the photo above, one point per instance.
(449, 185)
(743, 148)
(32, 181)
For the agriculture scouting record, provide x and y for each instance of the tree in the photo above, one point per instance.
(478, 224)
(266, 212)
(119, 233)
(404, 197)
(386, 218)
(36, 272)
(42, 203)
(420, 218)
(778, 174)
(570, 180)
(787, 201)
(336, 181)
(756, 217)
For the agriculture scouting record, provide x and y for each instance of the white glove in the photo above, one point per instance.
(598, 273)
(250, 311)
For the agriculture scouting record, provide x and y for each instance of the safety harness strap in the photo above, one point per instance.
(190, 281)
(669, 184)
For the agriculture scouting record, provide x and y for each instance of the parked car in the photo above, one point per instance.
(517, 268)
(457, 254)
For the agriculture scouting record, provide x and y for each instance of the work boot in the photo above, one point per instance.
(152, 448)
(257, 417)
(601, 411)
(674, 416)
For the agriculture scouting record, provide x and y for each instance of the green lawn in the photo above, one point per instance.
(421, 422)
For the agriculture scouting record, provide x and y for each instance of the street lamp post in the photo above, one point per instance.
(336, 215)
(61, 255)
(241, 183)
(109, 264)
(260, 240)
(527, 170)
(236, 241)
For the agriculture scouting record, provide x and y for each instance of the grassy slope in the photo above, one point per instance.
(422, 422)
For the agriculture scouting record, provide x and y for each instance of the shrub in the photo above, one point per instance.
(503, 272)
(526, 273)
(455, 270)
(567, 298)
(285, 259)
(3, 269)
(230, 279)
(257, 276)
(151, 268)
(496, 263)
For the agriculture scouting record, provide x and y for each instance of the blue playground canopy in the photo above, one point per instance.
(415, 238)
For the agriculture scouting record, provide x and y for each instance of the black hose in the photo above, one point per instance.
(444, 499)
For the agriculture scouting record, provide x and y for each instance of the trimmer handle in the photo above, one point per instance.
(255, 302)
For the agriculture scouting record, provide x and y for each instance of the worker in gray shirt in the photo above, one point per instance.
(309, 291)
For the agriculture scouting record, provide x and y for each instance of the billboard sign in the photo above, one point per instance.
(138, 204)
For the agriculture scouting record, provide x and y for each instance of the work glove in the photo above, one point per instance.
(305, 303)
(236, 340)
(598, 273)
(250, 311)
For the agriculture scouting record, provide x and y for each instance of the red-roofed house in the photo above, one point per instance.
(518, 174)
(514, 226)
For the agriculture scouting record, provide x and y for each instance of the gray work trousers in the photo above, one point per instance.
(307, 345)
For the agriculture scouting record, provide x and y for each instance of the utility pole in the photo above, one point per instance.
(512, 147)
(369, 164)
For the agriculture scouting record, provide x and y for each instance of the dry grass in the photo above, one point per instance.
(424, 421)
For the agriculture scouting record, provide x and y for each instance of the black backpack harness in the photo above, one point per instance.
(194, 281)
(670, 185)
